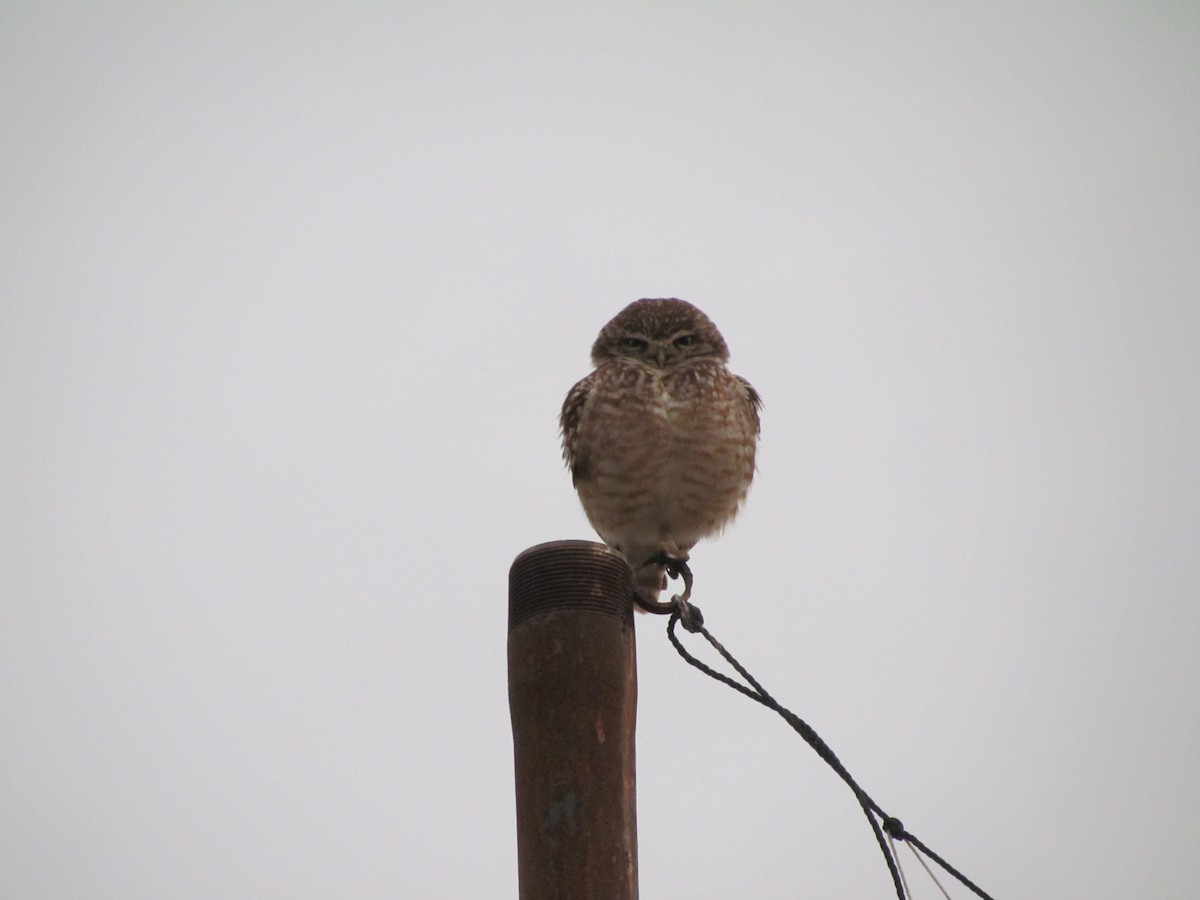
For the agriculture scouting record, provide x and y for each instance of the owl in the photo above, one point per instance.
(660, 438)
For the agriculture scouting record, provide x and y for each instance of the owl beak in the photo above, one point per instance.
(660, 355)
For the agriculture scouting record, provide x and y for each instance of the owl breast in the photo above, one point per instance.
(669, 454)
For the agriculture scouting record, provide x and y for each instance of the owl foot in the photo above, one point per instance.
(675, 567)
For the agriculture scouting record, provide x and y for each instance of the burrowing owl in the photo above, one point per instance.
(660, 438)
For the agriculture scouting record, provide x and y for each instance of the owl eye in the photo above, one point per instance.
(634, 344)
(685, 340)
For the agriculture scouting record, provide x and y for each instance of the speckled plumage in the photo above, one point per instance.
(660, 438)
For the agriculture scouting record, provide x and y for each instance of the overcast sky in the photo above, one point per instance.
(290, 295)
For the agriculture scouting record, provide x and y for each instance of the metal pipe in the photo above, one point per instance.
(572, 691)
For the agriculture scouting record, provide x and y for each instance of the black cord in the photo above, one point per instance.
(880, 821)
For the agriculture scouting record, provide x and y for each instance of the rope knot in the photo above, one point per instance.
(690, 616)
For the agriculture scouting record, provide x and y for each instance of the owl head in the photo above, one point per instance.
(659, 333)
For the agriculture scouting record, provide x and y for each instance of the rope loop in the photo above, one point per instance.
(682, 612)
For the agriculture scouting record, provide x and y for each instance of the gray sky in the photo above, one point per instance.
(290, 295)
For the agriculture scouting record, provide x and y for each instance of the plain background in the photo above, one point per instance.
(290, 295)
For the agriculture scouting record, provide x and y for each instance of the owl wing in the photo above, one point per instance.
(568, 422)
(755, 402)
